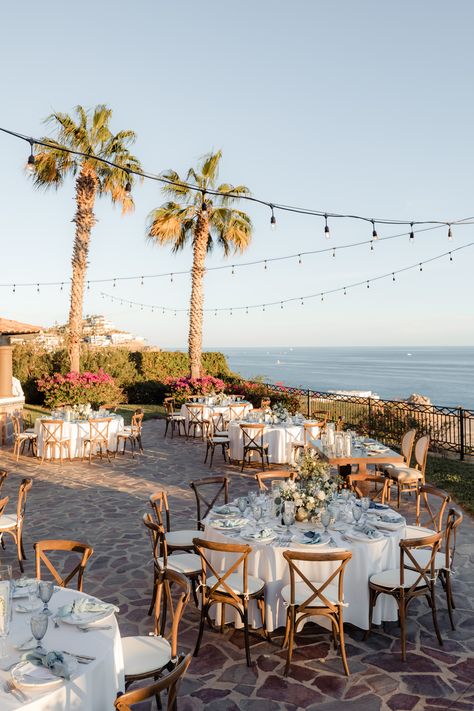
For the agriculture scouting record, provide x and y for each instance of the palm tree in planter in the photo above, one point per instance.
(202, 219)
(88, 133)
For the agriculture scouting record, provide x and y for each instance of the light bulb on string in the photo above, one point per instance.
(38, 288)
(281, 305)
(163, 312)
(393, 276)
(152, 310)
(61, 288)
(368, 284)
(299, 259)
(322, 297)
(141, 307)
(233, 271)
(273, 222)
(374, 231)
(345, 292)
(247, 310)
(175, 313)
(327, 232)
(334, 252)
(231, 312)
(265, 265)
(450, 257)
(171, 278)
(114, 284)
(215, 313)
(450, 234)
(88, 286)
(421, 267)
(30, 166)
(14, 288)
(371, 245)
(412, 234)
(141, 282)
(302, 302)
(263, 307)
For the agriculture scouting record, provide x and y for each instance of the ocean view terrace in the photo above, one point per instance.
(237, 357)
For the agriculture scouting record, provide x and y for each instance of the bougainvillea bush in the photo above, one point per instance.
(80, 388)
(183, 388)
(254, 392)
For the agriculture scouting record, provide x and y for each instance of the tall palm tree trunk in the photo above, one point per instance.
(201, 235)
(86, 186)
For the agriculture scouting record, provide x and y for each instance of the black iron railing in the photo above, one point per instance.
(451, 429)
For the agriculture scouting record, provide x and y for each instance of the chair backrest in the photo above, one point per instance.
(406, 446)
(421, 453)
(340, 424)
(309, 432)
(137, 420)
(194, 398)
(453, 521)
(237, 411)
(252, 434)
(204, 489)
(16, 425)
(168, 402)
(169, 683)
(83, 549)
(262, 477)
(234, 564)
(52, 431)
(158, 541)
(3, 476)
(159, 504)
(426, 572)
(430, 506)
(23, 490)
(196, 413)
(317, 591)
(99, 429)
(379, 491)
(3, 503)
(218, 423)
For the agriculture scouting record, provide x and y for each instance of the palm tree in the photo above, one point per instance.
(89, 134)
(202, 219)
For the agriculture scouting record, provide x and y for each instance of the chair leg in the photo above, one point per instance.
(287, 629)
(398, 494)
(403, 631)
(166, 428)
(246, 635)
(193, 587)
(243, 461)
(213, 449)
(372, 601)
(204, 611)
(291, 639)
(434, 615)
(343, 645)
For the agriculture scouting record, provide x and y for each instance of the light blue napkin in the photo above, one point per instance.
(367, 530)
(313, 537)
(54, 661)
(393, 518)
(83, 605)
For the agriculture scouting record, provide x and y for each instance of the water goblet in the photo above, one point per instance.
(39, 625)
(288, 517)
(242, 504)
(325, 519)
(45, 592)
(365, 504)
(357, 513)
(257, 511)
(252, 495)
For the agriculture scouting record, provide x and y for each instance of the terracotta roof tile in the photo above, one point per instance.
(11, 328)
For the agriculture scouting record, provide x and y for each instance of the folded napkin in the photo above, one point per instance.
(228, 523)
(53, 661)
(225, 510)
(312, 536)
(375, 505)
(85, 606)
(367, 530)
(263, 533)
(391, 518)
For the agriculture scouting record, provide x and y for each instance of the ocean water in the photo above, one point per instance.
(444, 374)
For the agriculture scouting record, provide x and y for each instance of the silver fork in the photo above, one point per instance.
(13, 689)
(82, 628)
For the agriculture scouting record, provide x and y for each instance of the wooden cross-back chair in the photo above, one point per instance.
(52, 432)
(414, 578)
(236, 411)
(132, 434)
(22, 437)
(431, 503)
(252, 434)
(204, 489)
(148, 656)
(196, 420)
(98, 437)
(83, 549)
(231, 586)
(309, 433)
(187, 564)
(173, 418)
(170, 683)
(306, 598)
(408, 478)
(178, 540)
(262, 477)
(360, 485)
(13, 525)
(3, 477)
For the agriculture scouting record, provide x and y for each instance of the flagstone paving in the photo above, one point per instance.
(103, 504)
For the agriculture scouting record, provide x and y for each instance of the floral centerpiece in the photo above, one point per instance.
(312, 488)
(79, 389)
(280, 413)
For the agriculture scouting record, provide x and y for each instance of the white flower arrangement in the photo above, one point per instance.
(280, 413)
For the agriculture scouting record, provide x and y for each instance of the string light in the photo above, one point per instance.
(115, 283)
(327, 233)
(345, 292)
(233, 272)
(412, 234)
(14, 288)
(421, 268)
(450, 257)
(62, 285)
(302, 302)
(374, 231)
(88, 286)
(141, 282)
(281, 305)
(38, 288)
(273, 222)
(334, 252)
(265, 265)
(299, 259)
(393, 276)
(171, 278)
(450, 234)
(371, 246)
(128, 185)
(30, 166)
(322, 297)
(368, 284)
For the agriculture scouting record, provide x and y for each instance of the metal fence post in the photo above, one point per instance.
(309, 403)
(461, 433)
(369, 415)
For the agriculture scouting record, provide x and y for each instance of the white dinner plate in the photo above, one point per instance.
(29, 675)
(362, 538)
(85, 618)
(234, 512)
(232, 524)
(26, 607)
(267, 539)
(324, 540)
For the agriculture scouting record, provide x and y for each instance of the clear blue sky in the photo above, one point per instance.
(361, 107)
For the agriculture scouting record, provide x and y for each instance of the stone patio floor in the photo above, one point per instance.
(103, 505)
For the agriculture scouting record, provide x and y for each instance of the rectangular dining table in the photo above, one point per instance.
(359, 456)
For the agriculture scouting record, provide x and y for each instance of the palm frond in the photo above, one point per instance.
(210, 167)
(177, 189)
(165, 224)
(232, 229)
(230, 193)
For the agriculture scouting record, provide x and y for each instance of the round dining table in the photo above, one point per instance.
(92, 687)
(266, 561)
(210, 410)
(76, 432)
(279, 437)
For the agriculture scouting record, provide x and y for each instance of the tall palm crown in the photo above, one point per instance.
(201, 219)
(88, 133)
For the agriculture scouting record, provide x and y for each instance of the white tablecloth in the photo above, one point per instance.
(76, 432)
(210, 410)
(95, 686)
(279, 437)
(266, 561)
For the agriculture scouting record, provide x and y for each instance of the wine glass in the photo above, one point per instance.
(242, 504)
(365, 504)
(288, 517)
(252, 495)
(257, 511)
(357, 513)
(39, 625)
(45, 592)
(325, 519)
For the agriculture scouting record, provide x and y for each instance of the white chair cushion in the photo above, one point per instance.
(418, 532)
(144, 654)
(303, 592)
(235, 583)
(185, 563)
(182, 538)
(391, 579)
(8, 521)
(404, 474)
(422, 557)
(181, 418)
